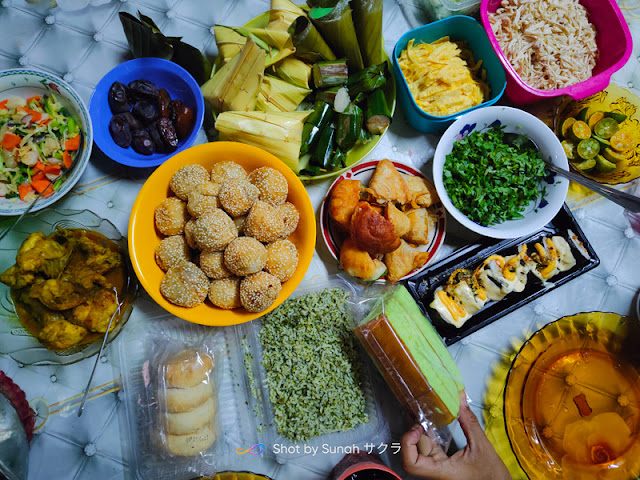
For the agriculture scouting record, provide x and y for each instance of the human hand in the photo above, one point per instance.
(423, 457)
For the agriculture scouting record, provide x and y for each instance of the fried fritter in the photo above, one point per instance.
(271, 183)
(343, 202)
(171, 216)
(419, 229)
(214, 230)
(264, 223)
(212, 264)
(282, 259)
(403, 260)
(186, 179)
(237, 196)
(358, 263)
(225, 292)
(422, 192)
(259, 291)
(245, 255)
(290, 217)
(185, 285)
(400, 221)
(388, 185)
(171, 251)
(371, 231)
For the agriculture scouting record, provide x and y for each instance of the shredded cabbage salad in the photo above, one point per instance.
(39, 140)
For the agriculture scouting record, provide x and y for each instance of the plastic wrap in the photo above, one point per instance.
(171, 385)
(414, 361)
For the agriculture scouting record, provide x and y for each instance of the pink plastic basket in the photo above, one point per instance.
(614, 46)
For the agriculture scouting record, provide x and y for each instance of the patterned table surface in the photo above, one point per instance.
(81, 46)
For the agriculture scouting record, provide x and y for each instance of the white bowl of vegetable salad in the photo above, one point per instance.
(45, 139)
(489, 171)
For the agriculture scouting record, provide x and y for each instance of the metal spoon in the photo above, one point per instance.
(95, 365)
(51, 182)
(630, 202)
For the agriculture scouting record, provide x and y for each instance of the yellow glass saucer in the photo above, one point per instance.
(572, 400)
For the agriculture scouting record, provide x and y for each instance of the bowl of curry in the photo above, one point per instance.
(65, 279)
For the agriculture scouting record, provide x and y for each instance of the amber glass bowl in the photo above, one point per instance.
(572, 399)
(15, 340)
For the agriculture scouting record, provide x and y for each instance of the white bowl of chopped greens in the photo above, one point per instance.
(489, 171)
(45, 139)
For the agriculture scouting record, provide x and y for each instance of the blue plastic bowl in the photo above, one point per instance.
(165, 74)
(459, 27)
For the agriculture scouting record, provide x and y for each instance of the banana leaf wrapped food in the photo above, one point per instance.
(378, 114)
(314, 124)
(335, 23)
(367, 19)
(236, 85)
(276, 95)
(282, 14)
(229, 42)
(279, 133)
(294, 71)
(309, 44)
(277, 43)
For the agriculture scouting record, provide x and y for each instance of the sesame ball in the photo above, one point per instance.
(189, 229)
(171, 216)
(282, 259)
(212, 264)
(185, 285)
(245, 255)
(237, 196)
(271, 183)
(223, 171)
(214, 230)
(171, 251)
(259, 291)
(290, 217)
(186, 179)
(203, 198)
(264, 223)
(225, 293)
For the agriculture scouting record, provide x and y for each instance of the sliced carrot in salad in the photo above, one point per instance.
(3, 104)
(52, 169)
(44, 121)
(73, 143)
(10, 141)
(24, 189)
(39, 166)
(34, 98)
(66, 158)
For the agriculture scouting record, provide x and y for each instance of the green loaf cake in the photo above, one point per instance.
(412, 357)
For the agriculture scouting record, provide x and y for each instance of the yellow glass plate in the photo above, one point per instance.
(572, 400)
(359, 152)
(611, 99)
(144, 238)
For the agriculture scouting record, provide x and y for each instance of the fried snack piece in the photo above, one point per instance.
(272, 185)
(171, 216)
(371, 231)
(227, 170)
(422, 192)
(290, 217)
(186, 179)
(225, 292)
(358, 263)
(400, 221)
(343, 202)
(245, 255)
(189, 236)
(185, 285)
(203, 198)
(212, 264)
(402, 260)
(282, 259)
(388, 185)
(237, 196)
(171, 251)
(214, 230)
(264, 223)
(419, 231)
(259, 291)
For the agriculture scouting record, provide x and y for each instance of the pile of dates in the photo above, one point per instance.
(146, 118)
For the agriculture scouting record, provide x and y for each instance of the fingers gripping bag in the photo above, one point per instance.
(414, 361)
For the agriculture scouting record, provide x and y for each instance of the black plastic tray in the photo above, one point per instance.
(423, 286)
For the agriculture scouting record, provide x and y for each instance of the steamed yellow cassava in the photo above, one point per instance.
(443, 76)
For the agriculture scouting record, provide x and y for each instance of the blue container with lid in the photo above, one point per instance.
(457, 28)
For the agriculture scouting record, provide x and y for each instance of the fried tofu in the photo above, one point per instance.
(358, 263)
(343, 202)
(422, 192)
(403, 260)
(371, 231)
(388, 185)
(418, 231)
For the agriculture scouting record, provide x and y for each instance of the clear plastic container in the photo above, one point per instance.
(253, 386)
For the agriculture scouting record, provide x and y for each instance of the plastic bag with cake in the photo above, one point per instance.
(413, 360)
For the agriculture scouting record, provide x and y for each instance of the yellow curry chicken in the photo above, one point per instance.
(65, 286)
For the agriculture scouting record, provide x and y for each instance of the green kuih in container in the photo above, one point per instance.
(412, 359)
